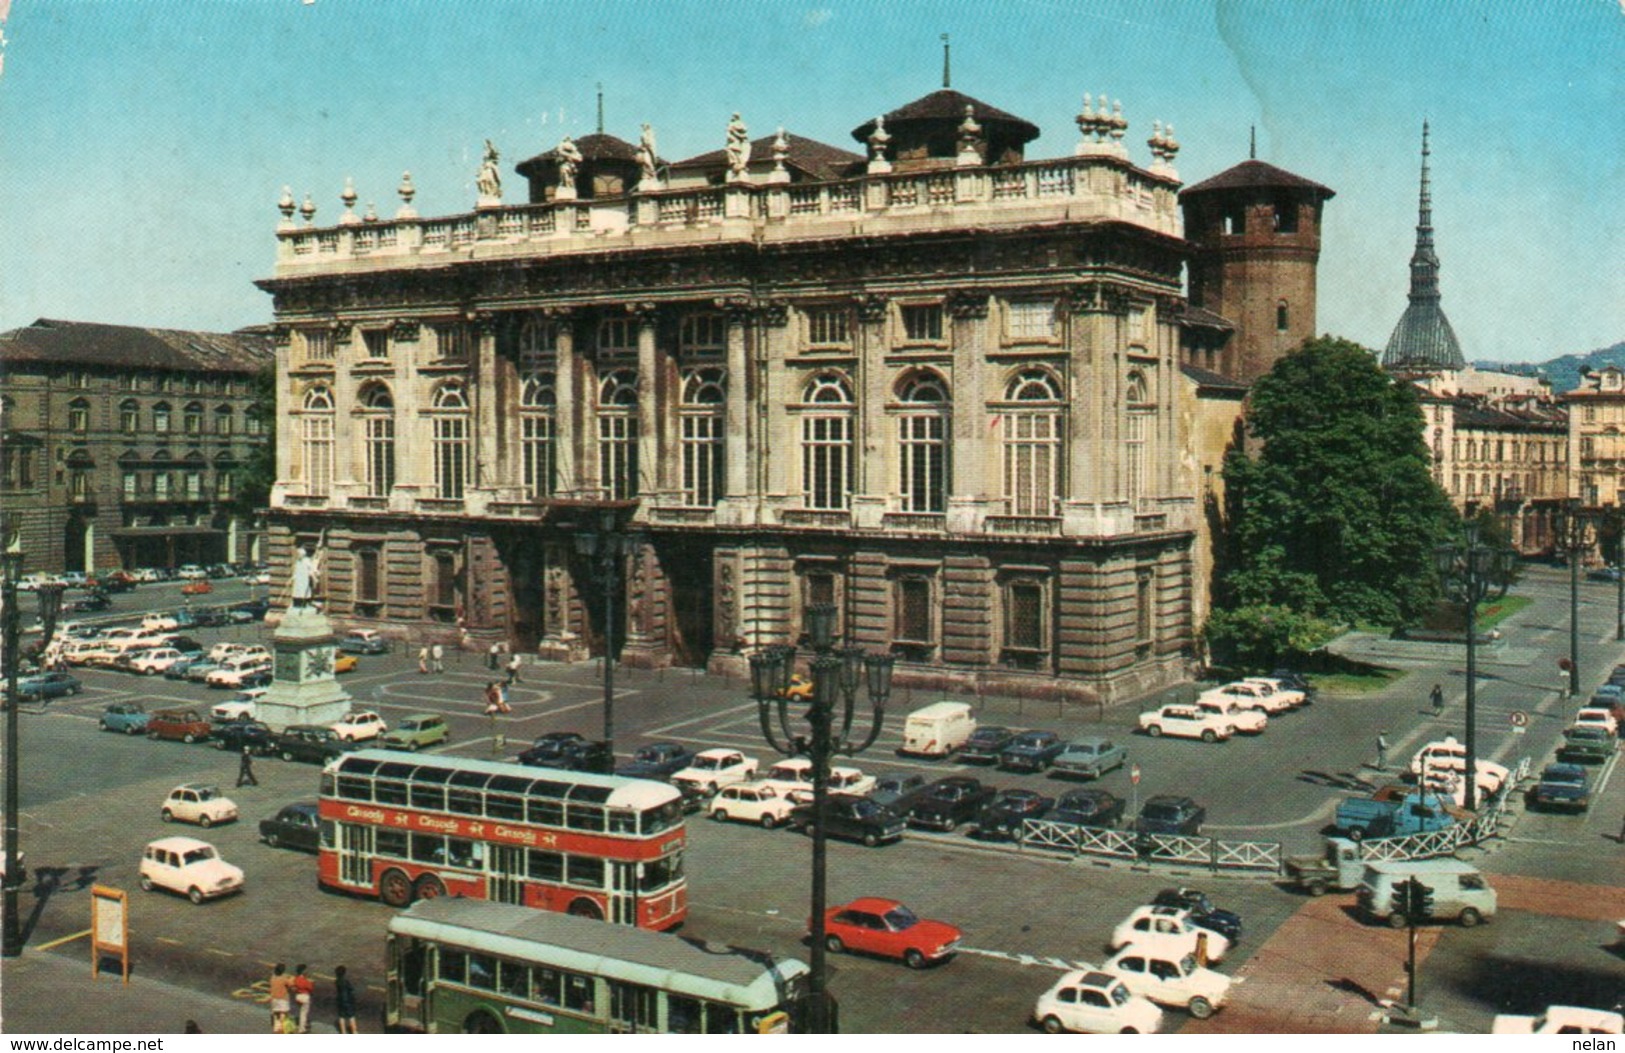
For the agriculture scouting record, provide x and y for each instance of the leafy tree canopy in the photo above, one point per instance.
(1333, 510)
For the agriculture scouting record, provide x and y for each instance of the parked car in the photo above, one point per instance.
(948, 802)
(584, 755)
(116, 581)
(91, 602)
(1088, 758)
(1031, 751)
(256, 735)
(795, 773)
(1562, 787)
(197, 802)
(1245, 721)
(128, 717)
(155, 660)
(1167, 931)
(938, 729)
(1002, 817)
(211, 617)
(1599, 716)
(1449, 755)
(657, 760)
(1279, 690)
(416, 732)
(1186, 722)
(40, 686)
(295, 826)
(235, 671)
(752, 802)
(1095, 1002)
(1249, 695)
(985, 744)
(345, 663)
(1087, 808)
(226, 649)
(178, 669)
(236, 709)
(856, 818)
(200, 587)
(364, 641)
(189, 867)
(1167, 814)
(182, 724)
(886, 928)
(1603, 574)
(311, 743)
(1586, 744)
(547, 748)
(1169, 979)
(713, 769)
(1561, 1020)
(898, 791)
(191, 572)
(1202, 911)
(358, 726)
(198, 671)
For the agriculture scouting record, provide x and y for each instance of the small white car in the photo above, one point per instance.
(1560, 1020)
(1249, 694)
(222, 651)
(796, 774)
(237, 669)
(191, 572)
(752, 802)
(353, 727)
(236, 709)
(1598, 717)
(1168, 932)
(1448, 754)
(189, 867)
(1186, 722)
(713, 769)
(155, 661)
(1168, 980)
(200, 803)
(1096, 1003)
(1245, 721)
(160, 623)
(1278, 689)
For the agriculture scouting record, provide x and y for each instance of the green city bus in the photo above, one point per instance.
(470, 965)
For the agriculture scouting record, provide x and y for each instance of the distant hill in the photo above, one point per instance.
(1564, 371)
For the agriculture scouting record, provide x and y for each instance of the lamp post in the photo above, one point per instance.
(837, 674)
(610, 545)
(1573, 539)
(1471, 573)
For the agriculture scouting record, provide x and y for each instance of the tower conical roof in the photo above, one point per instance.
(1423, 339)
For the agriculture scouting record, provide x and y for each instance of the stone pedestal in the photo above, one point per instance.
(303, 688)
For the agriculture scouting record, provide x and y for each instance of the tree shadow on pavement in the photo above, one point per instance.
(1343, 983)
(48, 881)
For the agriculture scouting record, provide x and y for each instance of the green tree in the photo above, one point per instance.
(259, 469)
(1332, 508)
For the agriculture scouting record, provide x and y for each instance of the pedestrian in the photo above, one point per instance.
(502, 698)
(303, 988)
(1437, 697)
(513, 668)
(344, 1000)
(281, 997)
(493, 700)
(1382, 751)
(245, 770)
(438, 653)
(493, 655)
(423, 659)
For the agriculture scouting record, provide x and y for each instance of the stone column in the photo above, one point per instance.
(487, 471)
(346, 474)
(870, 483)
(740, 447)
(413, 464)
(652, 469)
(567, 437)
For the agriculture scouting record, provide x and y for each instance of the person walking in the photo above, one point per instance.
(1382, 751)
(281, 997)
(493, 655)
(513, 669)
(344, 1000)
(1437, 698)
(423, 659)
(303, 987)
(502, 699)
(245, 770)
(438, 656)
(493, 700)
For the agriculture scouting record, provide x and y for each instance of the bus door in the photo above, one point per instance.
(403, 982)
(623, 893)
(504, 880)
(355, 855)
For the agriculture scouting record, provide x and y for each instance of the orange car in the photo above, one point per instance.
(196, 588)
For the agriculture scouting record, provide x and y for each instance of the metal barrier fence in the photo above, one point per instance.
(1443, 842)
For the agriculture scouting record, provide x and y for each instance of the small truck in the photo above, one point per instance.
(1339, 867)
(1396, 811)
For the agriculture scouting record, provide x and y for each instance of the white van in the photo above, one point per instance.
(938, 729)
(1459, 890)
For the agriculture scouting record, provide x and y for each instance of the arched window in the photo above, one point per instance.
(192, 420)
(537, 344)
(224, 420)
(701, 413)
(922, 428)
(316, 434)
(450, 428)
(826, 443)
(79, 415)
(160, 418)
(1032, 443)
(377, 405)
(618, 433)
(537, 401)
(1136, 437)
(1282, 315)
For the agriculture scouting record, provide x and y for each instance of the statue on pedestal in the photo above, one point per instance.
(490, 178)
(306, 574)
(648, 178)
(738, 148)
(569, 162)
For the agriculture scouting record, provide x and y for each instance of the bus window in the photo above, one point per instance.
(578, 992)
(547, 985)
(482, 972)
(329, 830)
(498, 806)
(352, 788)
(513, 979)
(585, 870)
(453, 966)
(546, 866)
(430, 797)
(412, 969)
(635, 1005)
(544, 813)
(663, 818)
(391, 843)
(682, 1015)
(469, 854)
(428, 848)
(386, 792)
(467, 802)
(585, 817)
(658, 873)
(721, 1019)
(622, 821)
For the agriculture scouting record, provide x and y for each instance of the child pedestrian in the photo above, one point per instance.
(281, 997)
(303, 988)
(344, 1000)
(438, 653)
(423, 659)
(245, 770)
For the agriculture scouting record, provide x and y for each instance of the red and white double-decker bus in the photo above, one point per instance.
(403, 827)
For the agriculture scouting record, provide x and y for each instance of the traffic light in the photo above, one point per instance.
(1413, 900)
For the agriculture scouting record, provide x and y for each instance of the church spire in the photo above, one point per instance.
(1423, 339)
(1424, 261)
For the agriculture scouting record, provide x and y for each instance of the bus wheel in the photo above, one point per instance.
(481, 1022)
(394, 888)
(586, 908)
(429, 887)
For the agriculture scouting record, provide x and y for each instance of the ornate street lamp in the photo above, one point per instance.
(610, 545)
(837, 673)
(1472, 573)
(1574, 538)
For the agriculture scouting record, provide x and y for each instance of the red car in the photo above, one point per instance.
(889, 929)
(196, 588)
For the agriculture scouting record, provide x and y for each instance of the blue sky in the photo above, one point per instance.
(143, 143)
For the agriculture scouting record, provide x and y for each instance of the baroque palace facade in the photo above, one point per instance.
(956, 393)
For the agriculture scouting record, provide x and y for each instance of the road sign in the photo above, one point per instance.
(1520, 722)
(1134, 774)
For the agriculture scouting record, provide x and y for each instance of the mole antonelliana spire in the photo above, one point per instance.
(1423, 339)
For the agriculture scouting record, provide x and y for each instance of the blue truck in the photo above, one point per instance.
(1395, 814)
